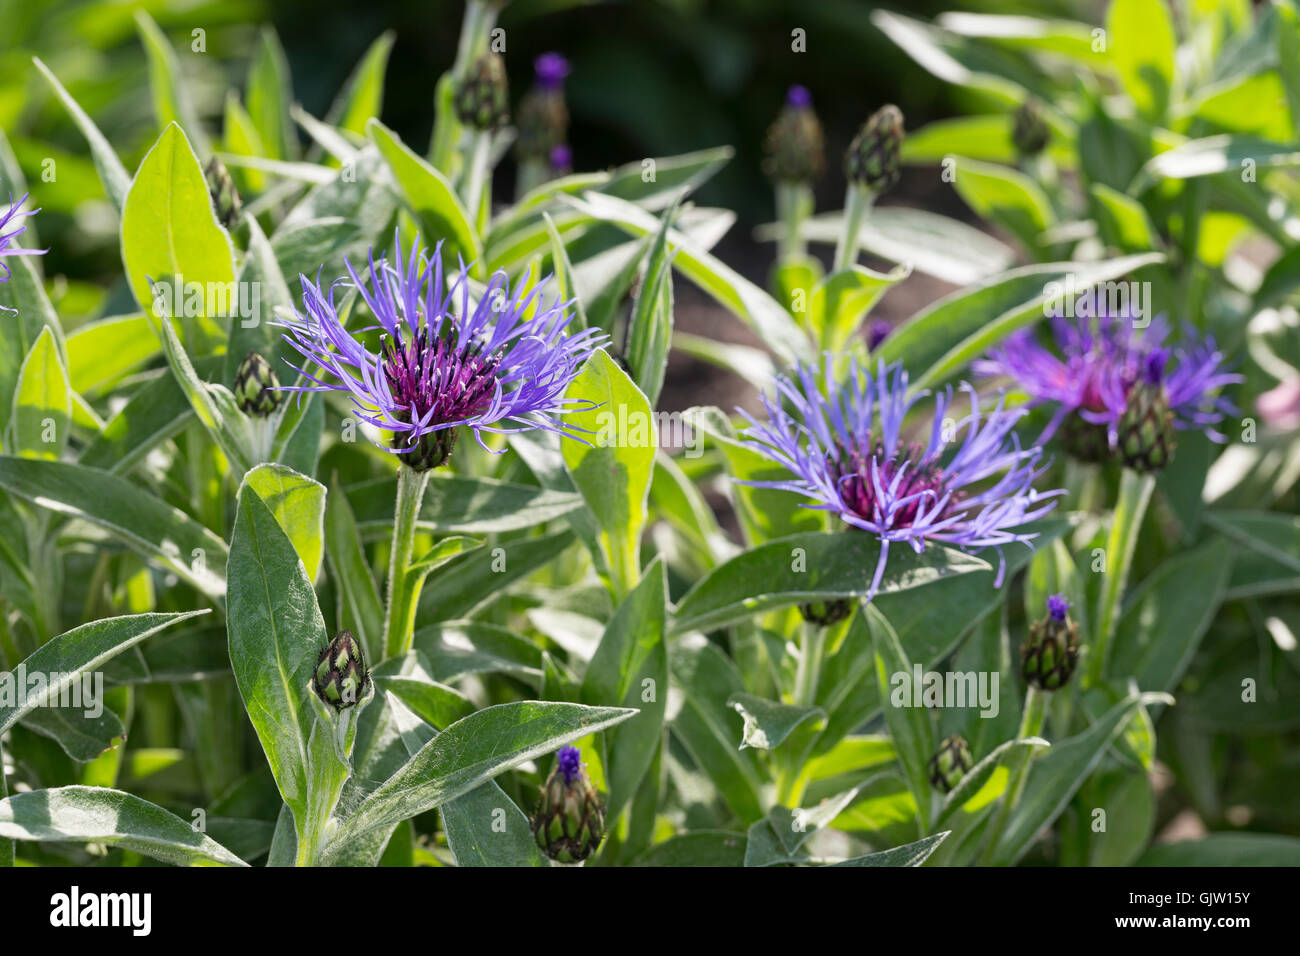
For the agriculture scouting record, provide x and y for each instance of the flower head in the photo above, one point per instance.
(569, 822)
(550, 69)
(1051, 651)
(794, 142)
(495, 363)
(969, 485)
(1098, 363)
(570, 763)
(10, 229)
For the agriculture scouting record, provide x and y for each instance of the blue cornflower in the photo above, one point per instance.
(1100, 361)
(11, 229)
(844, 445)
(494, 363)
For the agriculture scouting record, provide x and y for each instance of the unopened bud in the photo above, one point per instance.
(225, 198)
(794, 143)
(1146, 428)
(256, 386)
(482, 96)
(570, 821)
(543, 119)
(1048, 657)
(950, 763)
(341, 677)
(872, 160)
(1029, 131)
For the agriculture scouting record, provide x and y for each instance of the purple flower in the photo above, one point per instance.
(561, 159)
(844, 446)
(10, 229)
(550, 70)
(492, 362)
(1100, 360)
(1058, 607)
(570, 762)
(877, 332)
(797, 97)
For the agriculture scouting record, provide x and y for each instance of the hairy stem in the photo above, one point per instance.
(1134, 495)
(403, 593)
(1031, 725)
(857, 204)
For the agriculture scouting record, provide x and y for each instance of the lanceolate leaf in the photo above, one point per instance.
(96, 815)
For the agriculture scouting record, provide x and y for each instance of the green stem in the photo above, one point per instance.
(794, 202)
(480, 18)
(808, 673)
(477, 175)
(1134, 495)
(403, 592)
(857, 204)
(1031, 725)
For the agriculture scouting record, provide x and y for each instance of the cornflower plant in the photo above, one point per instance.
(882, 617)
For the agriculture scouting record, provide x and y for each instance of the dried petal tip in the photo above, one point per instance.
(872, 160)
(950, 763)
(256, 386)
(794, 144)
(570, 820)
(481, 97)
(1048, 657)
(1029, 131)
(341, 677)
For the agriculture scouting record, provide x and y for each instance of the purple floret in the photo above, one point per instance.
(495, 362)
(971, 488)
(570, 763)
(550, 70)
(1058, 607)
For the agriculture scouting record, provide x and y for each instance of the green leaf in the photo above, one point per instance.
(1140, 34)
(909, 724)
(428, 196)
(746, 300)
(1006, 196)
(154, 413)
(841, 301)
(255, 333)
(562, 268)
(803, 568)
(96, 815)
(651, 326)
(268, 97)
(470, 581)
(1216, 154)
(464, 505)
(705, 725)
(712, 848)
(64, 659)
(275, 632)
(101, 353)
(362, 96)
(1276, 536)
(461, 648)
(1123, 220)
(939, 341)
(767, 722)
(910, 854)
(1164, 620)
(630, 669)
(350, 572)
(298, 504)
(170, 235)
(147, 524)
(1055, 778)
(473, 751)
(486, 828)
(971, 794)
(408, 678)
(614, 471)
(1226, 849)
(171, 101)
(116, 180)
(42, 415)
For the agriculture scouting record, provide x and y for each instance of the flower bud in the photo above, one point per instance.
(1029, 131)
(872, 159)
(543, 118)
(481, 97)
(561, 160)
(1146, 428)
(1084, 441)
(570, 821)
(341, 677)
(256, 386)
(1048, 657)
(794, 144)
(225, 198)
(950, 763)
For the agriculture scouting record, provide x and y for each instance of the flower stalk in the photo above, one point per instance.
(857, 205)
(1031, 725)
(403, 587)
(1134, 495)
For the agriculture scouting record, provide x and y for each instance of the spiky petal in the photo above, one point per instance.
(11, 228)
(970, 486)
(500, 362)
(1095, 366)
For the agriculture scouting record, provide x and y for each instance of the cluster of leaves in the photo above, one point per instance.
(582, 594)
